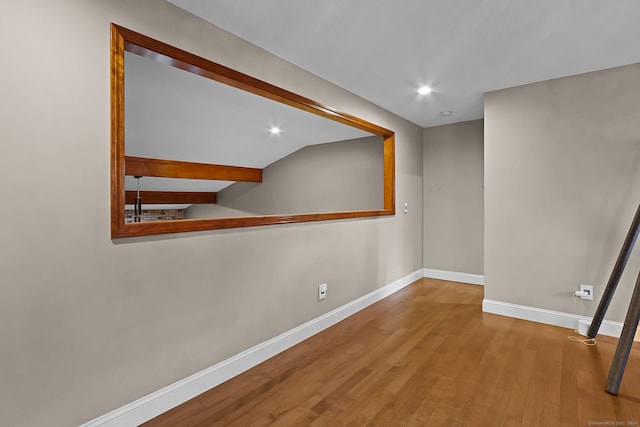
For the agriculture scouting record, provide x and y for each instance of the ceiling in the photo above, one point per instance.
(384, 50)
(173, 114)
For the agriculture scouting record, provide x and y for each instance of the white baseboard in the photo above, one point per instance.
(474, 279)
(173, 395)
(550, 317)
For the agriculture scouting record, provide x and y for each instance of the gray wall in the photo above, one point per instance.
(211, 210)
(332, 177)
(89, 324)
(453, 197)
(562, 182)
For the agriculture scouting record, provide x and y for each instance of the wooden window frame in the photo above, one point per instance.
(122, 40)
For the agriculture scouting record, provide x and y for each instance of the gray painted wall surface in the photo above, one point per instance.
(332, 177)
(89, 324)
(453, 197)
(562, 182)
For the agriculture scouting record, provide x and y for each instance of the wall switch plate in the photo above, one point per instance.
(589, 290)
(322, 291)
(406, 207)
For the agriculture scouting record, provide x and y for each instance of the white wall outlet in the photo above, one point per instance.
(322, 291)
(406, 207)
(589, 290)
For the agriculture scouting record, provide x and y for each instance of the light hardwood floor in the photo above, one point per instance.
(426, 356)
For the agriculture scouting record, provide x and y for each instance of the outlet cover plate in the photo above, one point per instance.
(589, 290)
(322, 291)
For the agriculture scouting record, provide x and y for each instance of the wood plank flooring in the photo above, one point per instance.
(426, 356)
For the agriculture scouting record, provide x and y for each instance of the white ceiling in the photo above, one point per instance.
(383, 50)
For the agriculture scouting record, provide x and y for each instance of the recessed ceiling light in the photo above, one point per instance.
(274, 130)
(424, 90)
(446, 113)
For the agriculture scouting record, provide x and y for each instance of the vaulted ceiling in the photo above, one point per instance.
(384, 50)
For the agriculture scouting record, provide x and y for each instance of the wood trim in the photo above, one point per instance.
(140, 166)
(127, 40)
(389, 175)
(178, 226)
(171, 197)
(117, 132)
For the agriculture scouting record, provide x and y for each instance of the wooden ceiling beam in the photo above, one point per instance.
(140, 166)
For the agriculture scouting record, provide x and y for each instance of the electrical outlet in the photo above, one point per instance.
(322, 291)
(589, 290)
